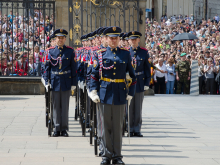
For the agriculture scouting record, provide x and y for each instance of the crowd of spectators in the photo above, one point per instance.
(23, 41)
(165, 53)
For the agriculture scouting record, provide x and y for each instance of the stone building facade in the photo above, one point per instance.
(202, 8)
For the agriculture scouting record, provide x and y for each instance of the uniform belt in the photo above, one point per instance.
(65, 72)
(113, 80)
(139, 73)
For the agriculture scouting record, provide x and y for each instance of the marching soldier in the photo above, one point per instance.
(142, 71)
(60, 71)
(183, 73)
(108, 87)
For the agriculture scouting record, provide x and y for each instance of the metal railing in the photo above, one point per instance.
(25, 27)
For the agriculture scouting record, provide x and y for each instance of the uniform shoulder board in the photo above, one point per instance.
(143, 48)
(69, 47)
(101, 50)
(52, 47)
(124, 49)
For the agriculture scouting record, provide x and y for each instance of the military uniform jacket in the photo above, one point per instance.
(141, 65)
(117, 64)
(183, 68)
(61, 72)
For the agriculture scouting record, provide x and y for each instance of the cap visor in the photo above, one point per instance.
(113, 35)
(133, 38)
(58, 35)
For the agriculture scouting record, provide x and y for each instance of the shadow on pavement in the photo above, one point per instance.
(154, 156)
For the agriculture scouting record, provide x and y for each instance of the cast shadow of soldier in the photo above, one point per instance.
(149, 127)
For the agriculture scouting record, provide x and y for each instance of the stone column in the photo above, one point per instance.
(62, 20)
(142, 5)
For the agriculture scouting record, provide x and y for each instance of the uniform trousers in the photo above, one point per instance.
(135, 112)
(111, 129)
(210, 82)
(60, 101)
(98, 119)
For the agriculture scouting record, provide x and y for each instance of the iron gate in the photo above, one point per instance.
(87, 15)
(24, 25)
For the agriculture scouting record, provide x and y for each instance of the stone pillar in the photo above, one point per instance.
(142, 5)
(62, 20)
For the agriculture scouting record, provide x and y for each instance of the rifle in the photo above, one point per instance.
(128, 84)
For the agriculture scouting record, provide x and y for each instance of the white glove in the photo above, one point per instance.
(129, 98)
(128, 76)
(43, 81)
(94, 96)
(146, 88)
(73, 88)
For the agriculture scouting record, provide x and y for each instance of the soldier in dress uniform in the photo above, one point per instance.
(121, 40)
(108, 88)
(104, 42)
(60, 70)
(52, 40)
(143, 73)
(183, 74)
(126, 43)
(102, 38)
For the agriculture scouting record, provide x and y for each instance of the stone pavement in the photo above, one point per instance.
(177, 129)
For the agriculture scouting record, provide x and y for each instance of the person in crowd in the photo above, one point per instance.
(160, 78)
(201, 73)
(170, 76)
(209, 71)
(183, 74)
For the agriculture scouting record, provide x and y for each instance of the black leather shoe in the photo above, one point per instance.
(56, 133)
(64, 133)
(105, 161)
(138, 134)
(131, 134)
(118, 161)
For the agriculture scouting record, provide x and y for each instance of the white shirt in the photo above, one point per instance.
(159, 74)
